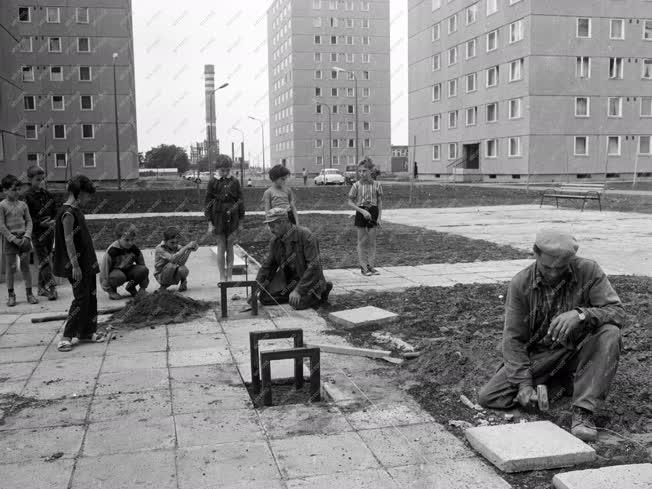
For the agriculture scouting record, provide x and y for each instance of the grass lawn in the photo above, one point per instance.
(397, 244)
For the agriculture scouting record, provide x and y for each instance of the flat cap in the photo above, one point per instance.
(555, 242)
(276, 214)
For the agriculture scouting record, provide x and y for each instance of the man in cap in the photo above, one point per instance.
(562, 320)
(291, 272)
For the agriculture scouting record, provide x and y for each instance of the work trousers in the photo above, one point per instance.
(82, 315)
(138, 274)
(278, 292)
(589, 368)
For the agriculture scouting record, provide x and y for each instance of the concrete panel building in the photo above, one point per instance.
(306, 40)
(516, 89)
(59, 110)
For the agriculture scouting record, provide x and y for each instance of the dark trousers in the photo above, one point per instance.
(43, 250)
(589, 369)
(82, 315)
(278, 292)
(138, 274)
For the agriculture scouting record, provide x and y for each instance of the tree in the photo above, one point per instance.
(167, 156)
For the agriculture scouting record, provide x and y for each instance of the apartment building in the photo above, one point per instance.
(59, 110)
(319, 51)
(520, 89)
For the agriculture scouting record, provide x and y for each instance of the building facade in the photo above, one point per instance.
(318, 51)
(64, 59)
(520, 89)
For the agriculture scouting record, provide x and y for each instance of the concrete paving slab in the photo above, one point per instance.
(414, 445)
(281, 369)
(82, 350)
(221, 375)
(25, 326)
(23, 354)
(204, 356)
(362, 316)
(197, 341)
(136, 380)
(130, 361)
(194, 398)
(29, 339)
(18, 446)
(124, 345)
(45, 413)
(7, 319)
(300, 419)
(12, 387)
(466, 473)
(129, 434)
(16, 371)
(37, 474)
(202, 326)
(59, 384)
(309, 455)
(149, 404)
(146, 470)
(372, 387)
(529, 446)
(361, 479)
(634, 476)
(211, 427)
(364, 416)
(225, 465)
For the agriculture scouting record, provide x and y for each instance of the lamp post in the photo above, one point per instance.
(330, 135)
(117, 128)
(241, 154)
(355, 80)
(262, 133)
(211, 130)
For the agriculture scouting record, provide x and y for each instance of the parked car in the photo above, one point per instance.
(329, 176)
(351, 174)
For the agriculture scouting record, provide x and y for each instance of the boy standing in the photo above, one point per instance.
(170, 260)
(16, 231)
(43, 211)
(123, 263)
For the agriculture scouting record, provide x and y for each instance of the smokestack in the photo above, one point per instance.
(211, 133)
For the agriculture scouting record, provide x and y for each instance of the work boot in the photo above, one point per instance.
(365, 271)
(183, 286)
(326, 293)
(131, 288)
(11, 300)
(114, 296)
(583, 426)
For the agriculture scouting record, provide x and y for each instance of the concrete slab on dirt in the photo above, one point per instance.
(635, 476)
(362, 316)
(529, 446)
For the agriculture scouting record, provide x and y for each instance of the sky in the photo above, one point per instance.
(173, 42)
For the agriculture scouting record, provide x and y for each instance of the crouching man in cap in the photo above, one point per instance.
(562, 320)
(291, 272)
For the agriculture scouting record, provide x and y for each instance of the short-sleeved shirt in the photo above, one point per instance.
(279, 197)
(366, 193)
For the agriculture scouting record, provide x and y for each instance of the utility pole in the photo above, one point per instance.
(242, 163)
(117, 127)
(262, 133)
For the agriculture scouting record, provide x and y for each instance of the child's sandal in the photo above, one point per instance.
(64, 346)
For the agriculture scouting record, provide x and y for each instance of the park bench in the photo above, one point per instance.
(575, 191)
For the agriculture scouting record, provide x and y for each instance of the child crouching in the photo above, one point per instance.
(170, 260)
(124, 263)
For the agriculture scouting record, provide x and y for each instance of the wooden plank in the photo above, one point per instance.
(349, 350)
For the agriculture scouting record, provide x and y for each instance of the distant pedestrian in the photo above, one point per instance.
(16, 232)
(249, 182)
(366, 198)
(75, 259)
(416, 171)
(305, 177)
(124, 263)
(170, 260)
(279, 195)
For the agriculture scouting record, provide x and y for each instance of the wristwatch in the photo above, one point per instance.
(581, 314)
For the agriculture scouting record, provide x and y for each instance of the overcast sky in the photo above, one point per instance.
(173, 41)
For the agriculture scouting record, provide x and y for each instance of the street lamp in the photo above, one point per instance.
(357, 142)
(330, 135)
(262, 133)
(241, 154)
(117, 129)
(211, 108)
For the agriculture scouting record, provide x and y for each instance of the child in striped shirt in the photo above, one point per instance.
(366, 198)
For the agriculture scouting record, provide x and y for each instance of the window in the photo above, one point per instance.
(366, 126)
(647, 30)
(54, 44)
(492, 76)
(59, 131)
(316, 22)
(366, 75)
(436, 152)
(334, 74)
(647, 69)
(86, 102)
(319, 160)
(492, 41)
(492, 112)
(582, 107)
(471, 82)
(334, 109)
(88, 131)
(332, 4)
(333, 92)
(452, 119)
(89, 160)
(52, 15)
(613, 146)
(492, 7)
(515, 108)
(364, 6)
(616, 29)
(60, 160)
(82, 15)
(366, 58)
(435, 32)
(350, 126)
(472, 14)
(350, 92)
(348, 23)
(436, 62)
(452, 88)
(333, 57)
(365, 40)
(616, 68)
(583, 67)
(350, 109)
(317, 57)
(32, 158)
(470, 49)
(452, 56)
(514, 147)
(364, 23)
(581, 146)
(333, 40)
(24, 14)
(334, 22)
(452, 24)
(336, 143)
(436, 92)
(435, 4)
(366, 109)
(28, 73)
(31, 131)
(516, 70)
(317, 74)
(317, 92)
(56, 73)
(644, 145)
(351, 143)
(366, 92)
(471, 116)
(583, 28)
(452, 151)
(615, 106)
(25, 45)
(491, 148)
(318, 109)
(516, 31)
(29, 102)
(317, 39)
(83, 45)
(646, 106)
(316, 4)
(436, 122)
(58, 102)
(319, 143)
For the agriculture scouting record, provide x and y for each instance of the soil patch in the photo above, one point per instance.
(283, 393)
(12, 404)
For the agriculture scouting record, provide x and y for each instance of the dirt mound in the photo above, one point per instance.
(161, 307)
